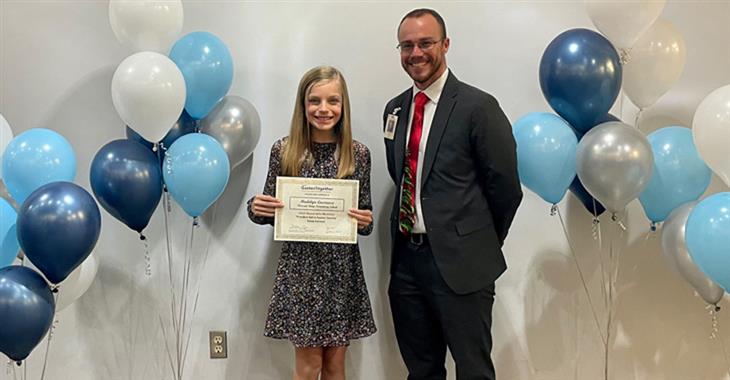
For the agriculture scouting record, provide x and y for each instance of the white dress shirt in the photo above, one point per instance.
(434, 93)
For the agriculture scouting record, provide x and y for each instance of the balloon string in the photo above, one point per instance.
(200, 278)
(624, 55)
(637, 119)
(580, 273)
(147, 259)
(713, 311)
(596, 232)
(50, 337)
(167, 347)
(170, 266)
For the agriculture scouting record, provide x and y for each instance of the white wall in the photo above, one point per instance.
(56, 63)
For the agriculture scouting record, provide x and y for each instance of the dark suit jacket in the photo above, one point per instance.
(470, 189)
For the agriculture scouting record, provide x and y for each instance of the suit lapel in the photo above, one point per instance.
(438, 125)
(401, 130)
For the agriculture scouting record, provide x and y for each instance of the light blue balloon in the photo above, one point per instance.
(679, 174)
(196, 172)
(207, 67)
(34, 158)
(9, 245)
(708, 237)
(546, 147)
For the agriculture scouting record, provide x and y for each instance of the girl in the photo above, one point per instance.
(320, 301)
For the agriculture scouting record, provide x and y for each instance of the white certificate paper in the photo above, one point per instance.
(315, 210)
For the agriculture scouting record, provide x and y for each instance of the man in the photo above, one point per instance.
(452, 158)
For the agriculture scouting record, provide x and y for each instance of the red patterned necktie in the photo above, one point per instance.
(407, 213)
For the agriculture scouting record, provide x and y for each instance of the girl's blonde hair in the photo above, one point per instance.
(298, 147)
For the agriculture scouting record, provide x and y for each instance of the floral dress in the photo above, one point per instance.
(319, 297)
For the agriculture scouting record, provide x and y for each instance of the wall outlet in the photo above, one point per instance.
(218, 344)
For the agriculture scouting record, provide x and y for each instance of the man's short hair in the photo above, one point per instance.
(422, 12)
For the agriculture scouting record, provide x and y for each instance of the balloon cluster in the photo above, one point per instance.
(607, 163)
(164, 100)
(57, 225)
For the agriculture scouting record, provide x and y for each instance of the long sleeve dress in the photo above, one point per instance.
(320, 298)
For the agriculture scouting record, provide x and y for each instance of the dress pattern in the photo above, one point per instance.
(320, 298)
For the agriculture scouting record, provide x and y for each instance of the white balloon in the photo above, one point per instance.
(77, 282)
(623, 22)
(711, 132)
(146, 25)
(657, 61)
(6, 134)
(148, 92)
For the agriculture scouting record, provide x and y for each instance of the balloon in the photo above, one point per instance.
(58, 226)
(675, 251)
(235, 123)
(545, 154)
(127, 181)
(9, 245)
(148, 92)
(207, 67)
(6, 134)
(26, 311)
(711, 131)
(679, 175)
(623, 22)
(580, 77)
(196, 172)
(708, 237)
(614, 163)
(34, 158)
(146, 25)
(657, 61)
(184, 125)
(77, 283)
(591, 204)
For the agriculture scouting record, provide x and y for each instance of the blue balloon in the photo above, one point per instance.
(679, 175)
(34, 158)
(196, 172)
(184, 125)
(580, 77)
(591, 204)
(207, 67)
(58, 226)
(708, 237)
(9, 246)
(127, 181)
(546, 148)
(26, 311)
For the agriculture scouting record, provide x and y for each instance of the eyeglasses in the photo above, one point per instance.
(407, 47)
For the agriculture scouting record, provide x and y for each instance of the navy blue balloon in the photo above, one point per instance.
(184, 125)
(58, 226)
(580, 77)
(127, 181)
(26, 311)
(591, 204)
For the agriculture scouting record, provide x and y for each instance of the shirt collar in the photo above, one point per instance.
(434, 90)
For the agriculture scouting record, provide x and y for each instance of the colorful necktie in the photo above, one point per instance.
(407, 213)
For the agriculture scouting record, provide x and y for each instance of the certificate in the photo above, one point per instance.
(315, 210)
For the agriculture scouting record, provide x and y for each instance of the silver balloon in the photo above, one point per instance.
(614, 163)
(235, 123)
(675, 251)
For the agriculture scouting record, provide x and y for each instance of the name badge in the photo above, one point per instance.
(390, 123)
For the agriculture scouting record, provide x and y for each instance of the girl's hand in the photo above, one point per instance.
(265, 205)
(363, 217)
